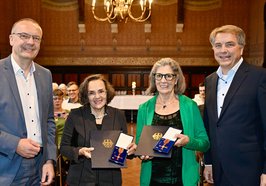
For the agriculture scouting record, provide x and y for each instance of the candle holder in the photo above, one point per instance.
(133, 92)
(133, 88)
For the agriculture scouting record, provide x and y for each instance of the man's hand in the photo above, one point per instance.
(47, 173)
(85, 151)
(263, 180)
(208, 173)
(28, 148)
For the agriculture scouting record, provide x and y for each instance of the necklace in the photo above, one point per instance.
(100, 117)
(164, 105)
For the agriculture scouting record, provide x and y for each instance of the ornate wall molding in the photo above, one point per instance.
(131, 51)
(258, 61)
(120, 61)
(60, 5)
(131, 61)
(202, 5)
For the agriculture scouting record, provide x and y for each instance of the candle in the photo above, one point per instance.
(133, 85)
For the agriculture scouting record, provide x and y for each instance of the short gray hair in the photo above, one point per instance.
(232, 29)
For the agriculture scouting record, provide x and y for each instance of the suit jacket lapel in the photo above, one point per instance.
(236, 83)
(8, 70)
(38, 83)
(212, 88)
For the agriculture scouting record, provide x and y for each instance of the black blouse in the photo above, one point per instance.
(168, 171)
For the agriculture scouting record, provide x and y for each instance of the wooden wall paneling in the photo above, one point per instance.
(83, 76)
(186, 75)
(106, 76)
(193, 92)
(58, 78)
(187, 79)
(134, 77)
(71, 77)
(145, 81)
(196, 79)
(118, 81)
(121, 77)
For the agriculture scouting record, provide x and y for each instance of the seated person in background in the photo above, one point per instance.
(95, 114)
(200, 98)
(63, 88)
(60, 114)
(55, 85)
(73, 96)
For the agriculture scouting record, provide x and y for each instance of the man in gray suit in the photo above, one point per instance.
(27, 128)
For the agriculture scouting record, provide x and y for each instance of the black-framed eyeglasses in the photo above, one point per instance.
(26, 37)
(168, 77)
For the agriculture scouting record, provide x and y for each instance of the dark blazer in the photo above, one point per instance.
(238, 136)
(77, 135)
(12, 122)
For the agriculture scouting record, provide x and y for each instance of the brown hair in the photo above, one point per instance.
(83, 90)
(58, 92)
(72, 83)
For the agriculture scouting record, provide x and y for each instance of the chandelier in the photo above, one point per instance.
(121, 9)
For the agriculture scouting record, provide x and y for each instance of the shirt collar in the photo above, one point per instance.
(17, 68)
(232, 71)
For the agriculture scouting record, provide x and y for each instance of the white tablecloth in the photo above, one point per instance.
(128, 102)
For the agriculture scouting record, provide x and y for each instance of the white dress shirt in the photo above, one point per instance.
(224, 83)
(29, 100)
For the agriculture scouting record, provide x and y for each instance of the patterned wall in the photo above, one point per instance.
(63, 44)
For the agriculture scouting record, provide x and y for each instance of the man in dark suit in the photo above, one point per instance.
(27, 128)
(235, 114)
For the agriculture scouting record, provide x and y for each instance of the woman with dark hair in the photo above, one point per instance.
(95, 93)
(169, 107)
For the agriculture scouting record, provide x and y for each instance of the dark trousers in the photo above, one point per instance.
(28, 173)
(223, 180)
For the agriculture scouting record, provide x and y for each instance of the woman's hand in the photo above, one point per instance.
(182, 140)
(85, 151)
(131, 148)
(144, 158)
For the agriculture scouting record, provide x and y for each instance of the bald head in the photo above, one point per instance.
(23, 22)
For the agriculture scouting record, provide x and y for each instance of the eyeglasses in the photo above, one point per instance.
(99, 92)
(26, 37)
(168, 77)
